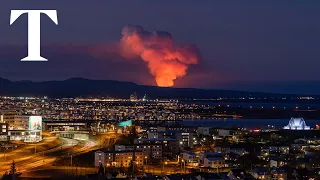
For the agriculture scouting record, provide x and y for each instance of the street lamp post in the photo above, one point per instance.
(183, 164)
(146, 157)
(165, 163)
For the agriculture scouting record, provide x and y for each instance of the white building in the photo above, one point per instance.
(297, 124)
(203, 155)
(190, 158)
(25, 128)
(214, 162)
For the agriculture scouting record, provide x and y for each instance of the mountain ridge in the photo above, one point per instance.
(83, 87)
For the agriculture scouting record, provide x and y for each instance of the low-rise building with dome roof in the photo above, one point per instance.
(297, 124)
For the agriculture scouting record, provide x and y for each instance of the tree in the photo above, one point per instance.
(12, 174)
(132, 169)
(13, 168)
(101, 170)
(5, 176)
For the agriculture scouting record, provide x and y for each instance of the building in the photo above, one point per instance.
(190, 158)
(205, 131)
(224, 132)
(151, 151)
(261, 173)
(274, 150)
(279, 173)
(100, 158)
(64, 125)
(133, 97)
(25, 135)
(186, 139)
(297, 124)
(209, 156)
(119, 158)
(8, 115)
(214, 162)
(239, 174)
(276, 162)
(4, 132)
(25, 128)
(226, 150)
(18, 122)
(170, 147)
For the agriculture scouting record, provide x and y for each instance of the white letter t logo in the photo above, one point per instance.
(34, 30)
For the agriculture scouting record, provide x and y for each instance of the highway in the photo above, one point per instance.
(41, 163)
(32, 157)
(24, 159)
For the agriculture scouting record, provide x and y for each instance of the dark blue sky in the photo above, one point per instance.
(239, 40)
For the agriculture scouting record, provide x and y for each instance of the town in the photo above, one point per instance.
(133, 138)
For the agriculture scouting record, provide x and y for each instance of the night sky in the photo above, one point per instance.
(242, 41)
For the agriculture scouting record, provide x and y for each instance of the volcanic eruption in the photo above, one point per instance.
(166, 60)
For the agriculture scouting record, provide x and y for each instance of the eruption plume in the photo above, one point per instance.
(166, 61)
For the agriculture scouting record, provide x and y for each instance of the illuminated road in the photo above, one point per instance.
(33, 157)
(25, 160)
(31, 162)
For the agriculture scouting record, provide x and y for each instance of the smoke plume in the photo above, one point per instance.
(166, 61)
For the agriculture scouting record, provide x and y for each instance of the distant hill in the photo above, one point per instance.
(289, 87)
(77, 87)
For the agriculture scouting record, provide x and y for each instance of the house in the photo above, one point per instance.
(190, 158)
(261, 173)
(214, 162)
(179, 177)
(149, 176)
(276, 162)
(203, 155)
(274, 150)
(239, 151)
(235, 174)
(278, 173)
(226, 150)
(211, 176)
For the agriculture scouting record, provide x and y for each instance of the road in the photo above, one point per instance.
(25, 160)
(29, 159)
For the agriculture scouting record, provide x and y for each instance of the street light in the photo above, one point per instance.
(184, 163)
(165, 163)
(146, 157)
